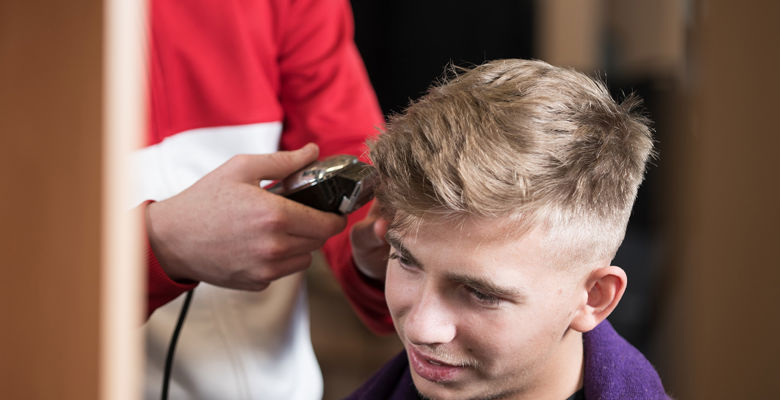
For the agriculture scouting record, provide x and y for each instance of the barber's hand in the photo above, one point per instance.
(227, 231)
(369, 248)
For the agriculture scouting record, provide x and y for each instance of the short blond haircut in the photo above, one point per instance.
(519, 140)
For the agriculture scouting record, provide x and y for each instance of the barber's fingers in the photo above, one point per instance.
(284, 247)
(380, 230)
(257, 167)
(370, 231)
(259, 278)
(308, 222)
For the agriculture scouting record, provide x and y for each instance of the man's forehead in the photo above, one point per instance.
(491, 246)
(474, 228)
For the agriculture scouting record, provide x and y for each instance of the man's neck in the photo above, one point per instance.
(563, 374)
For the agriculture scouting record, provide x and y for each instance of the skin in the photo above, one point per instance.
(227, 231)
(369, 247)
(482, 314)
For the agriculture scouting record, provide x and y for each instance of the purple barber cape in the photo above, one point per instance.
(614, 370)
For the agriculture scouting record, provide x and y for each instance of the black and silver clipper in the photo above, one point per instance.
(340, 184)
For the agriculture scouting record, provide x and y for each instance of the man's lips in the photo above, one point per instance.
(431, 368)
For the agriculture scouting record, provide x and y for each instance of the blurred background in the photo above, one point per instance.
(702, 301)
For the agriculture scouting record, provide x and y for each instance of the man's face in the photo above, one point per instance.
(481, 311)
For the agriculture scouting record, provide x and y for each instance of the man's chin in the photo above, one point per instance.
(447, 390)
(429, 390)
(435, 390)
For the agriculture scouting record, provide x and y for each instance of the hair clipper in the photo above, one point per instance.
(340, 184)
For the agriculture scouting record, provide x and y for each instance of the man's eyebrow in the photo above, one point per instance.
(487, 287)
(477, 283)
(394, 239)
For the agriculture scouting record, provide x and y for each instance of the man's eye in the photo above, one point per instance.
(405, 262)
(483, 298)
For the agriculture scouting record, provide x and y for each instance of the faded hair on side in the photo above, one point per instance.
(519, 140)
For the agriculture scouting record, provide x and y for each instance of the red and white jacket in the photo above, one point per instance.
(249, 76)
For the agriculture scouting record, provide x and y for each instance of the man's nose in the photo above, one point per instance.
(430, 321)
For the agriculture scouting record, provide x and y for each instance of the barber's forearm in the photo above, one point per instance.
(161, 289)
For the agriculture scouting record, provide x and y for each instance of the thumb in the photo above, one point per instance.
(277, 165)
(369, 233)
(380, 230)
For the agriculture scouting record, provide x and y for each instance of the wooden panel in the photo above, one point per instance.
(724, 320)
(51, 105)
(122, 292)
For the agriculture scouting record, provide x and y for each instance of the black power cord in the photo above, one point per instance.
(172, 345)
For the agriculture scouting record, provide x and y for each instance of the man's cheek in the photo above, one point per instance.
(391, 286)
(399, 292)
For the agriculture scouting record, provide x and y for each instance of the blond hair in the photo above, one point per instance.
(523, 140)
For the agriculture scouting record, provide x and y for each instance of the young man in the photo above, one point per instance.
(508, 190)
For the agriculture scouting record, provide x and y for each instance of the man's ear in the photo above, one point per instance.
(605, 287)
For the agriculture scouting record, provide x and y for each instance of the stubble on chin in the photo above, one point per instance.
(487, 396)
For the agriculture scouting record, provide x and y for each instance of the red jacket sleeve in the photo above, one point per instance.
(327, 99)
(366, 297)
